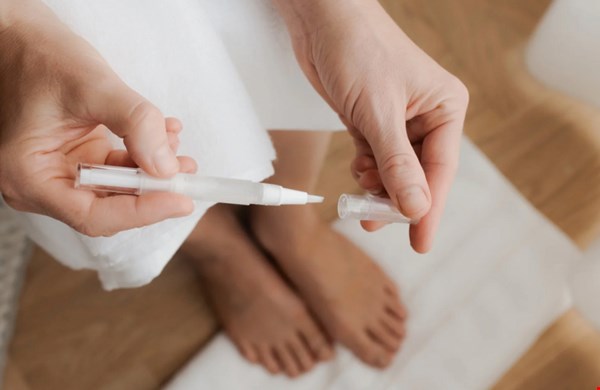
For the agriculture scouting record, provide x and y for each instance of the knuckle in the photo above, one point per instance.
(460, 90)
(397, 163)
(143, 114)
(448, 167)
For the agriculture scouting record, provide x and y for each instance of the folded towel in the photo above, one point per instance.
(492, 284)
(173, 54)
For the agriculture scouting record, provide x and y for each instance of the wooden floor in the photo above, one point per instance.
(72, 335)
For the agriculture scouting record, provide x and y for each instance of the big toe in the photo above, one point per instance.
(317, 342)
(302, 354)
(368, 349)
(385, 337)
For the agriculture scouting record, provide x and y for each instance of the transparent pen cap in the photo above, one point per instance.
(370, 208)
(110, 179)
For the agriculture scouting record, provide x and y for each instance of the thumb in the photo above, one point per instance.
(141, 125)
(400, 171)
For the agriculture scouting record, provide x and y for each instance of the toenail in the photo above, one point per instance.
(382, 361)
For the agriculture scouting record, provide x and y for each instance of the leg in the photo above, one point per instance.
(268, 323)
(356, 302)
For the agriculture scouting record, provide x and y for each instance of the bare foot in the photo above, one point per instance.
(355, 301)
(268, 323)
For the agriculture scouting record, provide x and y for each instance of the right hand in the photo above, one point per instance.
(57, 97)
(404, 111)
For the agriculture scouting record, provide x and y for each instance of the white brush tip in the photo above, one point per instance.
(315, 199)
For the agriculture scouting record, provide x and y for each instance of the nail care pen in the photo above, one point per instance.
(134, 181)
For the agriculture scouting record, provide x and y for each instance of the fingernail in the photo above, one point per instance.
(165, 161)
(413, 201)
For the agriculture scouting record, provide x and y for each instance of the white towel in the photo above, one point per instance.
(494, 281)
(172, 53)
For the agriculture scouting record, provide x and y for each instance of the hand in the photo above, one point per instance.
(56, 92)
(405, 112)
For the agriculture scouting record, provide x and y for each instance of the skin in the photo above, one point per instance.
(357, 304)
(322, 286)
(405, 112)
(269, 324)
(57, 98)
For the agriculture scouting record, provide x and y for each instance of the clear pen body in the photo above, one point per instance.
(134, 181)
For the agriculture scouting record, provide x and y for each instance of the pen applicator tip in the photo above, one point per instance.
(315, 199)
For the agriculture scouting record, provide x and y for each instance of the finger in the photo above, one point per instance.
(173, 125)
(361, 164)
(400, 170)
(96, 216)
(371, 182)
(121, 158)
(439, 158)
(187, 164)
(173, 140)
(372, 226)
(139, 123)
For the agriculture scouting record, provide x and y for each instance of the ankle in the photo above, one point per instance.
(285, 228)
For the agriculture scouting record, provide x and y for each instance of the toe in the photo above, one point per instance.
(393, 325)
(369, 351)
(379, 334)
(303, 356)
(318, 344)
(395, 308)
(248, 351)
(268, 360)
(287, 361)
(392, 300)
(391, 289)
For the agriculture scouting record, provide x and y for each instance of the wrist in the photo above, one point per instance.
(304, 17)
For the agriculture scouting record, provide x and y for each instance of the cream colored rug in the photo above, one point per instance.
(494, 281)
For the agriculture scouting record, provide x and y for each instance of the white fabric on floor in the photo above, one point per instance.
(563, 53)
(493, 283)
(585, 284)
(174, 54)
